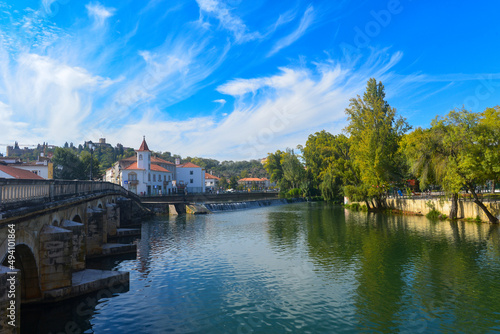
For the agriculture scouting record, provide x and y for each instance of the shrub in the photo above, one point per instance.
(433, 214)
(295, 192)
(355, 207)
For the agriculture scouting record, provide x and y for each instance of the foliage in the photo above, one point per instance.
(293, 170)
(433, 214)
(67, 165)
(328, 162)
(273, 166)
(375, 133)
(233, 182)
(223, 183)
(294, 192)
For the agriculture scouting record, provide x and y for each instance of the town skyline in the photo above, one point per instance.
(233, 80)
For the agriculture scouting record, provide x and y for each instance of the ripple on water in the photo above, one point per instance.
(307, 269)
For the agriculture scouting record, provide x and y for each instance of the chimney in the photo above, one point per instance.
(177, 161)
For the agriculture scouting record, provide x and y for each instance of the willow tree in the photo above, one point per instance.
(375, 132)
(429, 160)
(471, 147)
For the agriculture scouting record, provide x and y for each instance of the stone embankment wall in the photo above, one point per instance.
(465, 209)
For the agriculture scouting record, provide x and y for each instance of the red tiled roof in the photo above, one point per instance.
(210, 176)
(144, 146)
(252, 179)
(134, 166)
(161, 161)
(188, 165)
(157, 168)
(153, 159)
(20, 173)
(153, 167)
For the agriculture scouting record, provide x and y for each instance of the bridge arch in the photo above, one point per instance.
(77, 218)
(26, 263)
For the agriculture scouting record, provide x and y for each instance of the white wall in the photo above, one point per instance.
(5, 175)
(186, 174)
(41, 170)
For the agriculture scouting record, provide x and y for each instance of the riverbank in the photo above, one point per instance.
(466, 210)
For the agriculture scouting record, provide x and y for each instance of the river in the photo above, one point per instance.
(297, 268)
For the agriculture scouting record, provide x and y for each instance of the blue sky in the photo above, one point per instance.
(233, 79)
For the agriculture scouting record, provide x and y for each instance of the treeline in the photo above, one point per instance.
(377, 154)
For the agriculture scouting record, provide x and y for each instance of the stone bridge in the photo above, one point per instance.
(49, 228)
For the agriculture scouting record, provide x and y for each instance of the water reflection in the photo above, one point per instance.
(306, 268)
(409, 274)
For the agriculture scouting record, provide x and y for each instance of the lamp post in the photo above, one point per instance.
(91, 148)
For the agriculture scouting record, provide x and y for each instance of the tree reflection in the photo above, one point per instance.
(407, 273)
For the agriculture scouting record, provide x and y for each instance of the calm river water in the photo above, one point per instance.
(298, 268)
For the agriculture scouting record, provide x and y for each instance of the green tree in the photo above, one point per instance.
(273, 166)
(67, 165)
(471, 149)
(375, 133)
(233, 182)
(319, 154)
(85, 161)
(223, 182)
(293, 170)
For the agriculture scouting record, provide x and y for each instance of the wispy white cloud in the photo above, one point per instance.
(54, 96)
(227, 20)
(270, 112)
(99, 13)
(305, 22)
(220, 101)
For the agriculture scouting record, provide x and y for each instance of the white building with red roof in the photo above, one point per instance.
(211, 182)
(190, 178)
(143, 174)
(8, 172)
(254, 183)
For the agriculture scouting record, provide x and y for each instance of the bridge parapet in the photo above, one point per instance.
(22, 192)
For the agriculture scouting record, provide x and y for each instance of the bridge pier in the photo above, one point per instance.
(55, 256)
(96, 231)
(78, 244)
(112, 218)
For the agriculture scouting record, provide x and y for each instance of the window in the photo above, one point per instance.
(140, 156)
(132, 177)
(154, 177)
(169, 177)
(191, 181)
(159, 178)
(149, 177)
(191, 173)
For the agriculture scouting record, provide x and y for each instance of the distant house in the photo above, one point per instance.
(190, 178)
(143, 174)
(9, 172)
(254, 183)
(211, 182)
(42, 167)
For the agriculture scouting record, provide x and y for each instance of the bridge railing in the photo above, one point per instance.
(13, 190)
